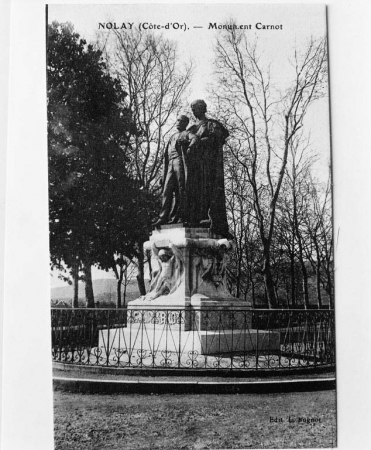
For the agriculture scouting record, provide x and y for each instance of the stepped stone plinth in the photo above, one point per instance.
(189, 307)
(189, 267)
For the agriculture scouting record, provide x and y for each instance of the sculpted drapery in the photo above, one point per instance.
(205, 181)
(174, 175)
(193, 177)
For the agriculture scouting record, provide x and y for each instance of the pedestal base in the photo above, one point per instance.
(189, 307)
(168, 339)
(186, 262)
(201, 314)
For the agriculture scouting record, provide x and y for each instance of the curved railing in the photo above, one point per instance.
(207, 338)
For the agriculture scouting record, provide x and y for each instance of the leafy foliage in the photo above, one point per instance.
(96, 209)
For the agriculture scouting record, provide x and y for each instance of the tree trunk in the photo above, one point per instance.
(118, 294)
(238, 285)
(287, 289)
(305, 283)
(75, 276)
(149, 258)
(252, 287)
(329, 288)
(124, 297)
(276, 294)
(292, 275)
(140, 276)
(118, 287)
(253, 293)
(89, 294)
(302, 266)
(318, 286)
(331, 298)
(269, 284)
(239, 274)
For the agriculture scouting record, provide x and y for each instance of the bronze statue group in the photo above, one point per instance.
(193, 175)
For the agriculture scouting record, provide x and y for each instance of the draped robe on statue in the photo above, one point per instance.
(205, 183)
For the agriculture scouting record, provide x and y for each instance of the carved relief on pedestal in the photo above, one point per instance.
(210, 265)
(168, 277)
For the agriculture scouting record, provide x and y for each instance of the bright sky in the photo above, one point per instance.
(299, 23)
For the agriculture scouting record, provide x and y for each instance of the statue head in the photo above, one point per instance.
(182, 122)
(164, 255)
(199, 108)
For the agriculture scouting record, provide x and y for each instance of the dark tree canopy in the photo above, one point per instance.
(96, 209)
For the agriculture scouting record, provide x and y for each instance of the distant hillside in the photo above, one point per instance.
(104, 291)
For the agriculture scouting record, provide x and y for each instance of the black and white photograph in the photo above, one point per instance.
(190, 216)
(190, 241)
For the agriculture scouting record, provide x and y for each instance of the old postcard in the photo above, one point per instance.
(190, 211)
(189, 175)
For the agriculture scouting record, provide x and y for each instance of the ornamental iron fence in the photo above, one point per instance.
(194, 338)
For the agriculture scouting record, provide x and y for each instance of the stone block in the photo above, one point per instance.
(154, 339)
(188, 264)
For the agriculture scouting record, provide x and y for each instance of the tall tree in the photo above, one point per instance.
(148, 67)
(318, 226)
(263, 123)
(245, 260)
(294, 205)
(88, 127)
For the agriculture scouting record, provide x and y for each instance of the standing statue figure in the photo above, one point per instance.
(205, 184)
(174, 177)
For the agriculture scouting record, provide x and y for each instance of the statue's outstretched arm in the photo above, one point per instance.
(176, 251)
(156, 273)
(154, 250)
(177, 266)
(155, 256)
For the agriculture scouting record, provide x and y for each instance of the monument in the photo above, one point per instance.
(190, 245)
(190, 242)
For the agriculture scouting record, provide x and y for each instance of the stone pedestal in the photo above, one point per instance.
(189, 307)
(197, 278)
(155, 340)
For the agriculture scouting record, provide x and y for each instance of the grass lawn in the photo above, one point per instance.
(193, 421)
